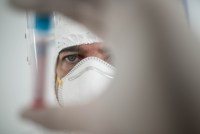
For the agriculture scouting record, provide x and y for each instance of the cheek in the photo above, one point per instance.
(63, 69)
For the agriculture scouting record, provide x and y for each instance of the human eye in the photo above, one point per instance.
(74, 58)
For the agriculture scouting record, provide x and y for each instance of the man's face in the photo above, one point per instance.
(70, 56)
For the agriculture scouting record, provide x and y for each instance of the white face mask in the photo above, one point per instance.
(87, 80)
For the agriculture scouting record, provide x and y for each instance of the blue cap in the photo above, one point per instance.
(43, 21)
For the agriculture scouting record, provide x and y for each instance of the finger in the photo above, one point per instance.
(42, 117)
(30, 4)
(52, 4)
(87, 12)
(66, 119)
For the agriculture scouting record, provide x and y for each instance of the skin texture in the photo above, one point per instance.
(69, 57)
(156, 89)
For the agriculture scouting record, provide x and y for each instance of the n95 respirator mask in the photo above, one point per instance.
(87, 80)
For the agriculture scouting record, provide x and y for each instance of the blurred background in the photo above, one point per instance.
(194, 16)
(15, 73)
(15, 92)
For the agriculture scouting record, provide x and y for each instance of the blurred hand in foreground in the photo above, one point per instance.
(157, 83)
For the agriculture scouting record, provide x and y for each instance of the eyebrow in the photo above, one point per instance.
(79, 49)
(72, 49)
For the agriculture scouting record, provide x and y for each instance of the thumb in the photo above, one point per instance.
(65, 119)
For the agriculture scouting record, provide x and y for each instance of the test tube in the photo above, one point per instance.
(39, 25)
(42, 28)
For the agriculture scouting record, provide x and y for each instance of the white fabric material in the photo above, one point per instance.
(75, 39)
(70, 33)
(87, 80)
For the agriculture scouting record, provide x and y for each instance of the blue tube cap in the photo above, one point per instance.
(43, 21)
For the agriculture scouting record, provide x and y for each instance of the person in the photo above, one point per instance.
(83, 64)
(155, 89)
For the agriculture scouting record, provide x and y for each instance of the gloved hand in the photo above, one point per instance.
(143, 35)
